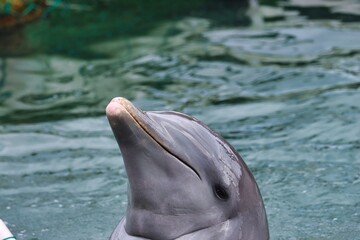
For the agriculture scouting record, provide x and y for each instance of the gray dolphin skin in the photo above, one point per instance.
(185, 181)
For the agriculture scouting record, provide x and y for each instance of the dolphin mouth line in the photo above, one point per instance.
(159, 143)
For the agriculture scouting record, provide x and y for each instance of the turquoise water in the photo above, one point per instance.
(286, 95)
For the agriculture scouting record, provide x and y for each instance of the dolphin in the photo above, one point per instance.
(185, 182)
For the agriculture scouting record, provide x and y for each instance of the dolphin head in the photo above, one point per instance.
(183, 177)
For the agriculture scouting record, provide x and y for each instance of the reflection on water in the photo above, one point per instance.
(58, 177)
(286, 97)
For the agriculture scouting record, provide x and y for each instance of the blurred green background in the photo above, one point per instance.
(68, 27)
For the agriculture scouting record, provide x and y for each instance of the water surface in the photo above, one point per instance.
(287, 97)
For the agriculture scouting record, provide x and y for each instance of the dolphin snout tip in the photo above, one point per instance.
(116, 107)
(120, 100)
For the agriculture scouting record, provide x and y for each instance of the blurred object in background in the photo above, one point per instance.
(14, 13)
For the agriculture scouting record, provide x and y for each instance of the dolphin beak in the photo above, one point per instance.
(120, 107)
(123, 115)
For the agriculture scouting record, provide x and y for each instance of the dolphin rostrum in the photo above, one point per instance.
(185, 181)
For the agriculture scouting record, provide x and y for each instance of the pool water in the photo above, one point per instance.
(285, 95)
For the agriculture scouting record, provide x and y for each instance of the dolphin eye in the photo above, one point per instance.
(221, 192)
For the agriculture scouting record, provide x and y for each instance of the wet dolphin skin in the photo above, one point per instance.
(185, 181)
